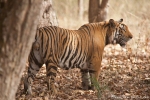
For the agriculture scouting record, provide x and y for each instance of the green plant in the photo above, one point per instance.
(100, 89)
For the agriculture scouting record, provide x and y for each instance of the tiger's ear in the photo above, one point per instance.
(112, 23)
(121, 20)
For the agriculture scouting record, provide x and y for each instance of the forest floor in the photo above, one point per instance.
(125, 75)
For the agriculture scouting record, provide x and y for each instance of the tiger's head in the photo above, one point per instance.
(118, 35)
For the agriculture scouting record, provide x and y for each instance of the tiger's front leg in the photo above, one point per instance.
(95, 71)
(51, 70)
(86, 81)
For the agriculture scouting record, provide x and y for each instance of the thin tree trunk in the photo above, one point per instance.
(18, 23)
(98, 11)
(93, 8)
(80, 9)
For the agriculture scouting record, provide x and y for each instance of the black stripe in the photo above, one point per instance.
(88, 29)
(64, 41)
(35, 60)
(33, 68)
(92, 71)
(47, 43)
(52, 31)
(74, 55)
(79, 58)
(41, 40)
(30, 66)
(49, 67)
(49, 61)
(51, 74)
(53, 67)
(68, 38)
(84, 70)
(70, 49)
(64, 53)
(55, 38)
(93, 27)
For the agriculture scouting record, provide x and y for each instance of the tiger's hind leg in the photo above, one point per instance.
(35, 63)
(51, 70)
(29, 78)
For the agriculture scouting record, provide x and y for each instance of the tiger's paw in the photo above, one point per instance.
(92, 88)
(27, 87)
(27, 90)
(86, 86)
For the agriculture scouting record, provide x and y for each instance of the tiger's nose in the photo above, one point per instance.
(131, 37)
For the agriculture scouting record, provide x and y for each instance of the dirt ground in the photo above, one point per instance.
(125, 75)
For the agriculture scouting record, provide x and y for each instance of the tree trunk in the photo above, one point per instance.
(98, 11)
(80, 9)
(48, 17)
(18, 23)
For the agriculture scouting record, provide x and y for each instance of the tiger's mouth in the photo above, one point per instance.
(122, 44)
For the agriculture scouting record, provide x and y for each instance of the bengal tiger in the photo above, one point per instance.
(82, 48)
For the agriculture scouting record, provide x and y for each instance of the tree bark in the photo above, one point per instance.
(48, 17)
(18, 23)
(80, 9)
(98, 11)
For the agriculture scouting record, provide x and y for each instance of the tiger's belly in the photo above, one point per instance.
(72, 62)
(73, 55)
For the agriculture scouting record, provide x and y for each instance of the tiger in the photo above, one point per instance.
(82, 48)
